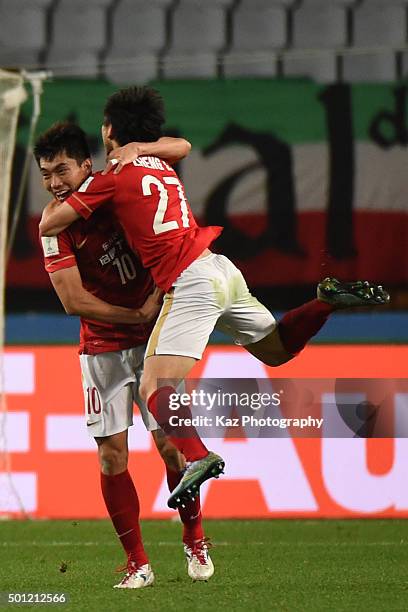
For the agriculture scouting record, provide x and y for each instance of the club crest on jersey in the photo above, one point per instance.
(50, 245)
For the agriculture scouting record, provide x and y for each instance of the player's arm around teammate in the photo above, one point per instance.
(80, 302)
(176, 149)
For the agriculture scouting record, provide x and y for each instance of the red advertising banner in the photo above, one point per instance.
(54, 467)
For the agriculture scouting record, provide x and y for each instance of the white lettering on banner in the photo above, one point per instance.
(15, 426)
(139, 438)
(19, 373)
(273, 463)
(377, 171)
(67, 433)
(22, 483)
(233, 365)
(401, 414)
(345, 472)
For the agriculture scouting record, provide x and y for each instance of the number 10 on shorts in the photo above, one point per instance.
(93, 401)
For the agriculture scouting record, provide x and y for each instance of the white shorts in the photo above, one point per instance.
(210, 293)
(111, 382)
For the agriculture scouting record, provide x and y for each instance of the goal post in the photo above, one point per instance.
(12, 95)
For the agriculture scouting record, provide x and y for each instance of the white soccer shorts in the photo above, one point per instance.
(210, 293)
(111, 382)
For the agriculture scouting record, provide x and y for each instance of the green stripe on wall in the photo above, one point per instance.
(200, 109)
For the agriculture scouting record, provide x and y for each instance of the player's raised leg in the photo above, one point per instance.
(299, 325)
(122, 503)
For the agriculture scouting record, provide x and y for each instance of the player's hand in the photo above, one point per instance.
(151, 307)
(120, 157)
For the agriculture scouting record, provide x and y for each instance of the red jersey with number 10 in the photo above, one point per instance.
(150, 204)
(110, 271)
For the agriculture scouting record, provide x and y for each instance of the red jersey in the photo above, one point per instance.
(150, 204)
(110, 271)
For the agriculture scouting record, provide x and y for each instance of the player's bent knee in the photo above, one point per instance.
(113, 460)
(270, 350)
(269, 358)
(274, 360)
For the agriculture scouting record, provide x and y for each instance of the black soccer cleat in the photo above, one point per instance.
(347, 295)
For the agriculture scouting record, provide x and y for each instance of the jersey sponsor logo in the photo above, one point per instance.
(79, 245)
(50, 246)
(86, 184)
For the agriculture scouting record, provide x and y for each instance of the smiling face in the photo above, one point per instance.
(63, 175)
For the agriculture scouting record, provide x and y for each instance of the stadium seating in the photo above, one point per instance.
(404, 64)
(138, 35)
(319, 25)
(344, 3)
(79, 33)
(379, 24)
(221, 3)
(257, 29)
(76, 24)
(320, 66)
(23, 33)
(82, 63)
(140, 40)
(198, 33)
(139, 68)
(370, 66)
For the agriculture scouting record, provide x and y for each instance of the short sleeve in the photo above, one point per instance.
(58, 252)
(95, 191)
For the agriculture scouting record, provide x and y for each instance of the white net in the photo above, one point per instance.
(12, 94)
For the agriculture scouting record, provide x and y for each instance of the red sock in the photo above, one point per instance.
(187, 441)
(122, 503)
(190, 515)
(297, 326)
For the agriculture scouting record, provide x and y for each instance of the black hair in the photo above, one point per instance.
(62, 137)
(135, 114)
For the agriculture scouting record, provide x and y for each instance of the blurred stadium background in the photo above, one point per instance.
(297, 113)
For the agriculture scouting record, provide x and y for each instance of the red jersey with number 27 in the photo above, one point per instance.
(150, 204)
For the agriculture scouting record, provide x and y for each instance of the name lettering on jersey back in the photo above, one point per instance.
(153, 163)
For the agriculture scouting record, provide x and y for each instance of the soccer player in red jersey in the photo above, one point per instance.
(203, 290)
(98, 277)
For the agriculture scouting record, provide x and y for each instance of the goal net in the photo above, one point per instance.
(12, 94)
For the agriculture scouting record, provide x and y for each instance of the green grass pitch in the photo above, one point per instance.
(260, 565)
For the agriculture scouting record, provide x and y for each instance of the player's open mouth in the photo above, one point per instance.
(62, 195)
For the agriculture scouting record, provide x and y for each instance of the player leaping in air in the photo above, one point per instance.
(98, 277)
(203, 290)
